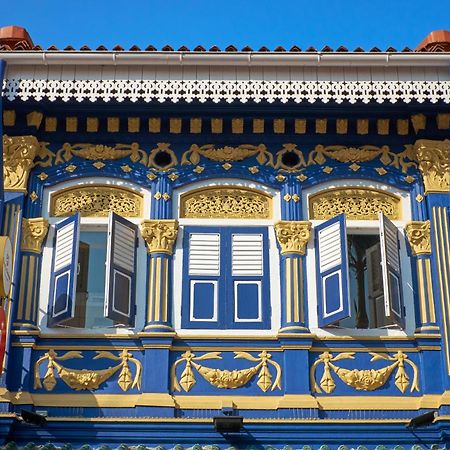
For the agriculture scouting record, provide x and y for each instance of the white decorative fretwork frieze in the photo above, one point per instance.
(227, 90)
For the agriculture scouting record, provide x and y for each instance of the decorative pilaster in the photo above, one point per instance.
(419, 238)
(160, 237)
(293, 238)
(34, 231)
(433, 158)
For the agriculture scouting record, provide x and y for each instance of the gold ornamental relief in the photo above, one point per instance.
(434, 163)
(419, 238)
(96, 201)
(356, 203)
(364, 379)
(221, 202)
(34, 231)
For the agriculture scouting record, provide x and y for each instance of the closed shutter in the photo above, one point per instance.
(64, 270)
(201, 293)
(390, 263)
(120, 270)
(332, 268)
(247, 272)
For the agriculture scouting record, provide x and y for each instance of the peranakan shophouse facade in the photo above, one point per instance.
(215, 249)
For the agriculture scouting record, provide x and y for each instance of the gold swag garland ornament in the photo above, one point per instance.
(225, 379)
(87, 379)
(365, 379)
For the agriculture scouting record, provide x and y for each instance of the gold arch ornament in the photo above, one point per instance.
(226, 202)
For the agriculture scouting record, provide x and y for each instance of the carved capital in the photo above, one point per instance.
(18, 156)
(159, 235)
(419, 237)
(33, 234)
(433, 158)
(293, 236)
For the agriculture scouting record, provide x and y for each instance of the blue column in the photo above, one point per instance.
(2, 72)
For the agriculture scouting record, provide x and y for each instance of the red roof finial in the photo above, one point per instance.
(436, 41)
(16, 38)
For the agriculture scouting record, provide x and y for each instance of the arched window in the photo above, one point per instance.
(225, 259)
(92, 252)
(358, 270)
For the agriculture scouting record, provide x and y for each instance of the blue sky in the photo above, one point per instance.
(351, 23)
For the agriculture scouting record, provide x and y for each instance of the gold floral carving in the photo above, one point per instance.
(34, 232)
(101, 152)
(321, 154)
(87, 379)
(224, 154)
(159, 235)
(226, 379)
(356, 203)
(434, 163)
(221, 202)
(365, 379)
(293, 236)
(19, 153)
(419, 237)
(96, 201)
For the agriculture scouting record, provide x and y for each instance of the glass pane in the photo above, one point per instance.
(90, 299)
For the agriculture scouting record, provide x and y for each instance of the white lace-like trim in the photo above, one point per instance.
(228, 91)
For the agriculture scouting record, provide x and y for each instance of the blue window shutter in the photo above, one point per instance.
(332, 270)
(64, 270)
(390, 264)
(248, 286)
(120, 284)
(202, 281)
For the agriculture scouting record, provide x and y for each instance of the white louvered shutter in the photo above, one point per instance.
(64, 270)
(390, 264)
(332, 267)
(121, 270)
(247, 254)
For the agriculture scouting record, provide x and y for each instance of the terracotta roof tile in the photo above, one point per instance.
(14, 38)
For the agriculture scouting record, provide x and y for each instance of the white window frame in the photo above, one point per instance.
(360, 227)
(92, 224)
(274, 255)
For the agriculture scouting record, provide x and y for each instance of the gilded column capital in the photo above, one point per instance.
(18, 159)
(159, 235)
(418, 234)
(433, 158)
(293, 236)
(33, 234)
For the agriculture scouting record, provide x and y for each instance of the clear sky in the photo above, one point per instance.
(351, 23)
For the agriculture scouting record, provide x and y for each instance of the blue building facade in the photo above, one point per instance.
(241, 234)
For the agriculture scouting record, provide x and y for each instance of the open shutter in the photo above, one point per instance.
(249, 279)
(390, 263)
(332, 269)
(64, 270)
(120, 291)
